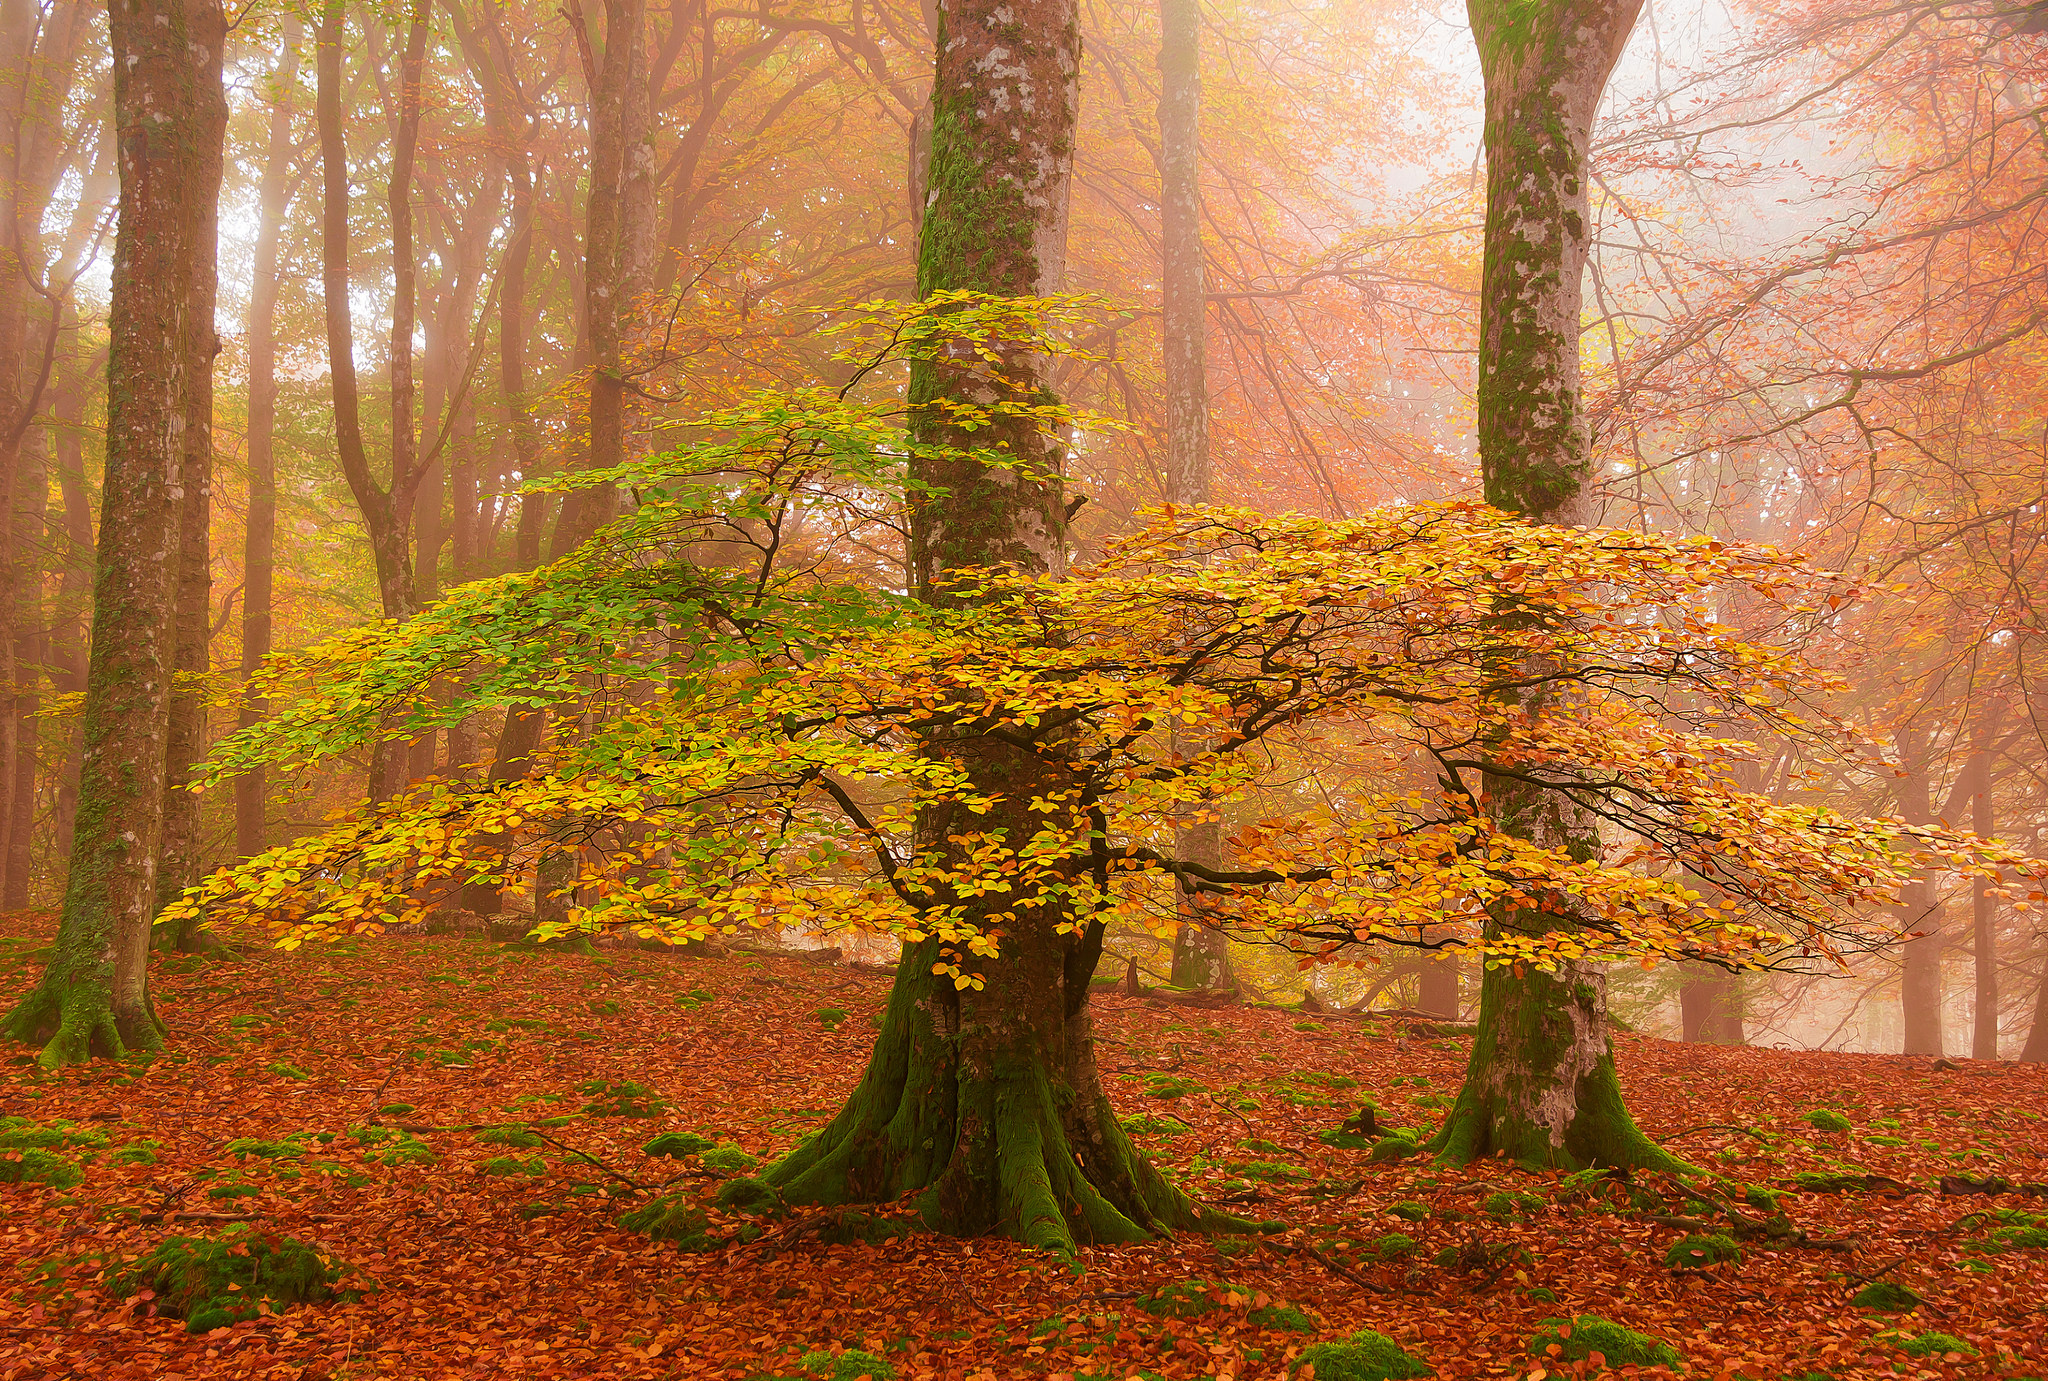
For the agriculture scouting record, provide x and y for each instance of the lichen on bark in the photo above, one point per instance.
(982, 1105)
(1541, 1086)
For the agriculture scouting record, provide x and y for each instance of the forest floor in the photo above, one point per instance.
(496, 1260)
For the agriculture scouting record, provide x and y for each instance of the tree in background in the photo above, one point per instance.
(169, 115)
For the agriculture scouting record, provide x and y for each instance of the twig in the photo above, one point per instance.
(1718, 1127)
(1233, 1112)
(1336, 1269)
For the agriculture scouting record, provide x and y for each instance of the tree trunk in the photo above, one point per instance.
(389, 549)
(1201, 954)
(1439, 988)
(587, 510)
(1984, 916)
(1541, 1085)
(1918, 912)
(2036, 1049)
(31, 516)
(180, 861)
(986, 1104)
(94, 996)
(259, 546)
(1710, 1005)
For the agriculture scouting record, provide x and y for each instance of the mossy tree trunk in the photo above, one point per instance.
(984, 1104)
(168, 114)
(1541, 1085)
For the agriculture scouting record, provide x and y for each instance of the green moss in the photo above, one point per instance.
(1189, 1299)
(508, 1136)
(37, 1166)
(1393, 1148)
(1282, 1318)
(136, 1153)
(845, 1366)
(676, 1145)
(256, 1148)
(1395, 1244)
(1171, 1086)
(1364, 1356)
(1886, 1296)
(672, 1218)
(25, 1134)
(1579, 1338)
(1700, 1250)
(729, 1160)
(211, 1282)
(514, 1165)
(623, 1098)
(287, 1070)
(1931, 1345)
(1828, 1120)
(1145, 1124)
(1411, 1210)
(830, 1017)
(392, 1147)
(749, 1195)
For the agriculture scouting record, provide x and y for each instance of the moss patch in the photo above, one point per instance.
(1886, 1296)
(1701, 1250)
(211, 1282)
(1579, 1338)
(1364, 1356)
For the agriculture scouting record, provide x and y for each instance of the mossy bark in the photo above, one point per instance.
(1541, 1086)
(168, 106)
(985, 1109)
(983, 1105)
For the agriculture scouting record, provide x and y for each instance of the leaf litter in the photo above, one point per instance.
(458, 1126)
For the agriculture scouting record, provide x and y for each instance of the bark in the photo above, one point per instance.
(1201, 954)
(31, 513)
(39, 48)
(386, 511)
(259, 545)
(1984, 915)
(74, 595)
(382, 510)
(94, 996)
(985, 1104)
(1439, 989)
(179, 864)
(587, 510)
(1710, 1005)
(1919, 913)
(2036, 1049)
(1541, 1086)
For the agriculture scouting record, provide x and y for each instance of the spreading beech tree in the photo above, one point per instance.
(992, 768)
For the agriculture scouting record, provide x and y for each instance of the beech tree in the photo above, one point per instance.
(170, 116)
(1541, 1085)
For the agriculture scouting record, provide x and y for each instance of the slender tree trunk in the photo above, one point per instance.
(1541, 1086)
(168, 102)
(587, 510)
(259, 547)
(1710, 1005)
(1984, 915)
(181, 855)
(1439, 989)
(2036, 1049)
(1919, 913)
(386, 512)
(74, 597)
(1201, 954)
(31, 516)
(985, 1103)
(389, 550)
